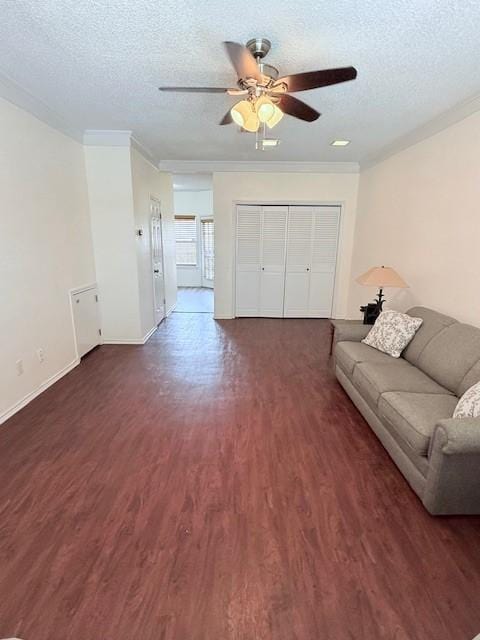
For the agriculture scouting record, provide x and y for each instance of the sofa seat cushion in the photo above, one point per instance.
(348, 354)
(372, 379)
(412, 416)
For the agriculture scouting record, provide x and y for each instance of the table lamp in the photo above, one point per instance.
(380, 277)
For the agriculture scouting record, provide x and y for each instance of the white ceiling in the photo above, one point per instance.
(98, 65)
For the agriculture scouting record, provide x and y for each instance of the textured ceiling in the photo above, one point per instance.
(98, 65)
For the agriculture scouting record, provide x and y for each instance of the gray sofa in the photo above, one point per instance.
(409, 403)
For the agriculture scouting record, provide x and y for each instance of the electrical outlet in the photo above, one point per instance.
(40, 355)
(19, 367)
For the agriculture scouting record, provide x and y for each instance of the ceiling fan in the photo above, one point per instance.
(266, 97)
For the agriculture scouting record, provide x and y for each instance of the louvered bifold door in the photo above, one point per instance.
(248, 260)
(299, 248)
(325, 228)
(272, 280)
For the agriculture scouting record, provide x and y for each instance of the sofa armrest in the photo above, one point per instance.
(453, 479)
(457, 436)
(348, 331)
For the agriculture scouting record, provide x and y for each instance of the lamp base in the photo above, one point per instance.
(372, 310)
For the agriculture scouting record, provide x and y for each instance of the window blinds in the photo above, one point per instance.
(186, 240)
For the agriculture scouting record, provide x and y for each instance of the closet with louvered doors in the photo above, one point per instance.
(285, 260)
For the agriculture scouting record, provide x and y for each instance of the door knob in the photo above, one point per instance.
(156, 271)
(308, 268)
(263, 268)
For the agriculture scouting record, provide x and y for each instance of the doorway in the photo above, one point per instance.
(194, 239)
(158, 272)
(194, 300)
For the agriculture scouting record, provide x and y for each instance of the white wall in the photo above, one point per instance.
(120, 182)
(111, 208)
(148, 181)
(45, 250)
(200, 204)
(419, 212)
(229, 188)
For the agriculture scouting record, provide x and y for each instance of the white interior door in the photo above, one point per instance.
(248, 260)
(157, 263)
(86, 320)
(325, 228)
(297, 271)
(272, 277)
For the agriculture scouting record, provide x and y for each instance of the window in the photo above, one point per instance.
(207, 242)
(186, 240)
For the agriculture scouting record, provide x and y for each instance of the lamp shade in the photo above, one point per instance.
(382, 277)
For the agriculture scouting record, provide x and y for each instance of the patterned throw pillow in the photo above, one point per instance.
(469, 404)
(392, 332)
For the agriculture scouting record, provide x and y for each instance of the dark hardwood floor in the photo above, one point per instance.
(217, 484)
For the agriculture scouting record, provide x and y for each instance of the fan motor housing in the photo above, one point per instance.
(259, 47)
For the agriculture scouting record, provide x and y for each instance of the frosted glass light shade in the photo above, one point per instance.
(276, 117)
(382, 277)
(265, 109)
(243, 113)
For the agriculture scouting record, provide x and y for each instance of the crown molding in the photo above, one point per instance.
(446, 119)
(107, 138)
(118, 138)
(144, 151)
(20, 97)
(207, 166)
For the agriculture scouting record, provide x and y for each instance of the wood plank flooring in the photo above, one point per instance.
(217, 484)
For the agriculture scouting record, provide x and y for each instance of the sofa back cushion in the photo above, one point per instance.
(433, 323)
(472, 377)
(450, 355)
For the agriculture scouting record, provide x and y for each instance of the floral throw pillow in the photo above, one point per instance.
(469, 404)
(392, 332)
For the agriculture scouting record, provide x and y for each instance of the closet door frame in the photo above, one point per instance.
(288, 203)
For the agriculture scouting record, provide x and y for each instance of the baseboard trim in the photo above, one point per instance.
(33, 394)
(149, 334)
(171, 310)
(221, 317)
(132, 340)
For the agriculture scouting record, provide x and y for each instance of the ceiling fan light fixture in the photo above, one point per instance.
(276, 117)
(243, 113)
(252, 124)
(265, 109)
(240, 112)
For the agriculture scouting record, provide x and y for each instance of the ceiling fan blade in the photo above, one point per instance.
(195, 89)
(298, 109)
(237, 92)
(227, 119)
(316, 79)
(242, 60)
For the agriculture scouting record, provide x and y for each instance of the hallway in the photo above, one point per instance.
(194, 300)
